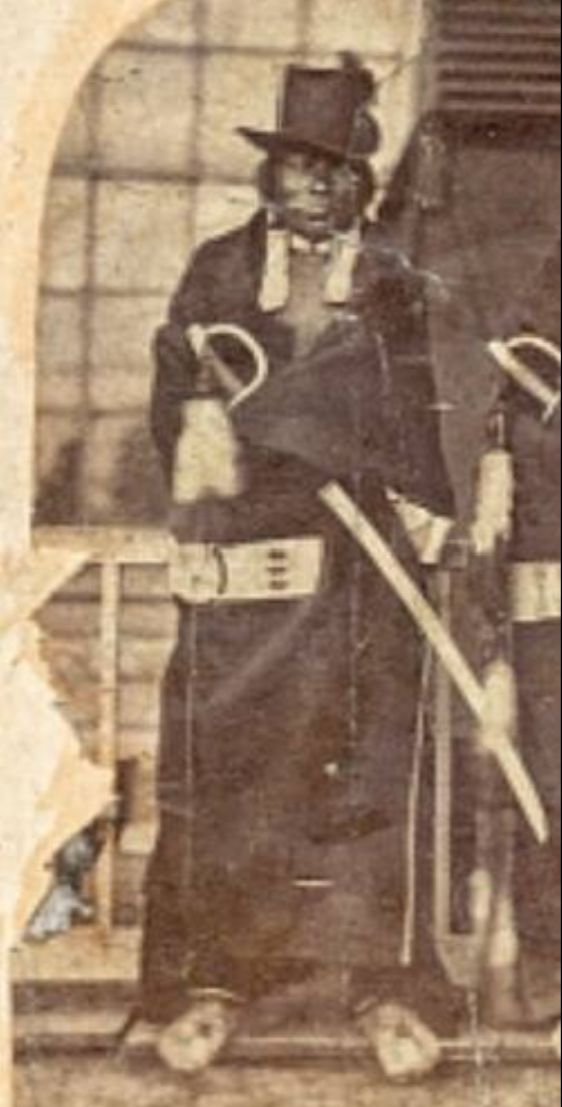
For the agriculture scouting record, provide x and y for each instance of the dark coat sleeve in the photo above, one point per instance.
(428, 477)
(176, 365)
(398, 311)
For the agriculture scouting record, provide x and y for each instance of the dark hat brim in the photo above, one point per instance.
(273, 142)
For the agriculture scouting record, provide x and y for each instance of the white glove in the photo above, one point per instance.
(494, 502)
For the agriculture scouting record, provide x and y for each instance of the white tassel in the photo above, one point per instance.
(481, 904)
(498, 737)
(503, 949)
(499, 717)
(494, 502)
(492, 906)
(207, 457)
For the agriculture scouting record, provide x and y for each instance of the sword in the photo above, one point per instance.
(383, 557)
(427, 620)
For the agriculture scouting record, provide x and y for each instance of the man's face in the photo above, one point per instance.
(317, 197)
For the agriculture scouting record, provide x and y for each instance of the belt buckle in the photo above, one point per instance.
(195, 572)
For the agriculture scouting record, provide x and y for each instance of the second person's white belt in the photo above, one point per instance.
(274, 569)
(535, 591)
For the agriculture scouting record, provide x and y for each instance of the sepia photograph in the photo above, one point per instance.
(280, 586)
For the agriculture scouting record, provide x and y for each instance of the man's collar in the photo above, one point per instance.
(341, 250)
(300, 245)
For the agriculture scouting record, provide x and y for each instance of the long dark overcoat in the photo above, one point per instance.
(260, 697)
(535, 447)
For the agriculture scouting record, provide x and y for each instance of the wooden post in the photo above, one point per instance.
(107, 735)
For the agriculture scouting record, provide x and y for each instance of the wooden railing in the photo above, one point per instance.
(111, 549)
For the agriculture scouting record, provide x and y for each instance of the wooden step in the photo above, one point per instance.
(79, 1030)
(85, 954)
(77, 992)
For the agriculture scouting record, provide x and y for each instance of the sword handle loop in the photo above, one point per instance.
(506, 355)
(199, 338)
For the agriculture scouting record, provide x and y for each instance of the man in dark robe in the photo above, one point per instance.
(289, 704)
(535, 444)
(517, 538)
(533, 436)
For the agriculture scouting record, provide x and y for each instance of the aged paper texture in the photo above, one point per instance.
(280, 553)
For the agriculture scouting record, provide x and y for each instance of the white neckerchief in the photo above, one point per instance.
(342, 251)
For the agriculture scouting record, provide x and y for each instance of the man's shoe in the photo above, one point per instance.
(194, 1041)
(405, 1048)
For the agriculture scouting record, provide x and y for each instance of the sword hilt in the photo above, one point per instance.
(199, 338)
(505, 354)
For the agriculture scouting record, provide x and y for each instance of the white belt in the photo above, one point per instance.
(275, 569)
(535, 591)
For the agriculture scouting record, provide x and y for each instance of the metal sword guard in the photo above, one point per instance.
(200, 338)
(508, 356)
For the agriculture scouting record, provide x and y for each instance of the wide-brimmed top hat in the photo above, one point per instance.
(324, 111)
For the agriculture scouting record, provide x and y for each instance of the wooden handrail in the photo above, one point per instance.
(42, 572)
(120, 545)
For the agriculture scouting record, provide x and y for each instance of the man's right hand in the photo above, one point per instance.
(207, 462)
